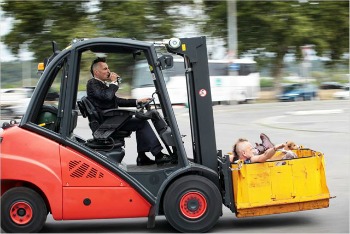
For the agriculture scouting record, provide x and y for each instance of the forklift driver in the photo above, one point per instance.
(244, 150)
(102, 92)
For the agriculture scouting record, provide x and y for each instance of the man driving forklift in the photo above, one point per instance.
(102, 92)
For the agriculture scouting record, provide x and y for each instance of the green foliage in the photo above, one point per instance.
(276, 26)
(135, 19)
(279, 26)
(332, 29)
(266, 82)
(37, 23)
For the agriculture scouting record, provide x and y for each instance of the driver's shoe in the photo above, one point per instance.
(162, 158)
(143, 160)
(266, 143)
(259, 149)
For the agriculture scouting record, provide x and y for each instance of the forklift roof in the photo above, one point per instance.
(112, 49)
(108, 45)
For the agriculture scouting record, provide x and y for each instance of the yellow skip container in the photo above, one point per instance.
(280, 186)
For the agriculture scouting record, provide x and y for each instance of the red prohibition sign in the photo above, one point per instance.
(202, 92)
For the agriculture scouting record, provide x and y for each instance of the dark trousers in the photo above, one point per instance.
(146, 139)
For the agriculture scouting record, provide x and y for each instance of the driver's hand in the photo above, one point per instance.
(113, 77)
(143, 100)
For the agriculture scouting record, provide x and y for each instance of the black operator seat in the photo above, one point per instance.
(104, 125)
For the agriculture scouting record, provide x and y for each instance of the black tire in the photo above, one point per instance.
(192, 204)
(22, 210)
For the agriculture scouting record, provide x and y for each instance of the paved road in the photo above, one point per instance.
(320, 125)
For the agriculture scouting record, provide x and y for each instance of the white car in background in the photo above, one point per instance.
(343, 94)
(11, 97)
(20, 109)
(14, 102)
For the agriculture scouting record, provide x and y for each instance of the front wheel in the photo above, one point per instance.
(22, 210)
(192, 204)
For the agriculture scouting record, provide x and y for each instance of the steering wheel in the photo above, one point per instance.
(146, 104)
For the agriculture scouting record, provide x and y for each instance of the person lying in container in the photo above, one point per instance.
(244, 150)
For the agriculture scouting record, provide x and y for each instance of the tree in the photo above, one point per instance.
(331, 30)
(279, 25)
(37, 23)
(141, 20)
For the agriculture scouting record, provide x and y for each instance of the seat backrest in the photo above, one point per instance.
(104, 123)
(88, 110)
(82, 108)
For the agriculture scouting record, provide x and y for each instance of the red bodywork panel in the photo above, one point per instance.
(32, 158)
(107, 195)
(75, 186)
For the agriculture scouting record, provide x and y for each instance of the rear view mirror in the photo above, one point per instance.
(166, 61)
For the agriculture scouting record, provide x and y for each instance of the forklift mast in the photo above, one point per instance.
(194, 52)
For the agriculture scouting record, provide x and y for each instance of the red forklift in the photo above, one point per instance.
(46, 167)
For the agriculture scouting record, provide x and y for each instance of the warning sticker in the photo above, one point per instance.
(202, 92)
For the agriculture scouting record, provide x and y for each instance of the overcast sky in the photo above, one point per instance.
(5, 26)
(5, 54)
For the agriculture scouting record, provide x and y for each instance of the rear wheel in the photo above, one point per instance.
(192, 204)
(22, 210)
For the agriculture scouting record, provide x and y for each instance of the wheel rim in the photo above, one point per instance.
(21, 213)
(193, 205)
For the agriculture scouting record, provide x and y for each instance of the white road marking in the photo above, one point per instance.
(316, 112)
